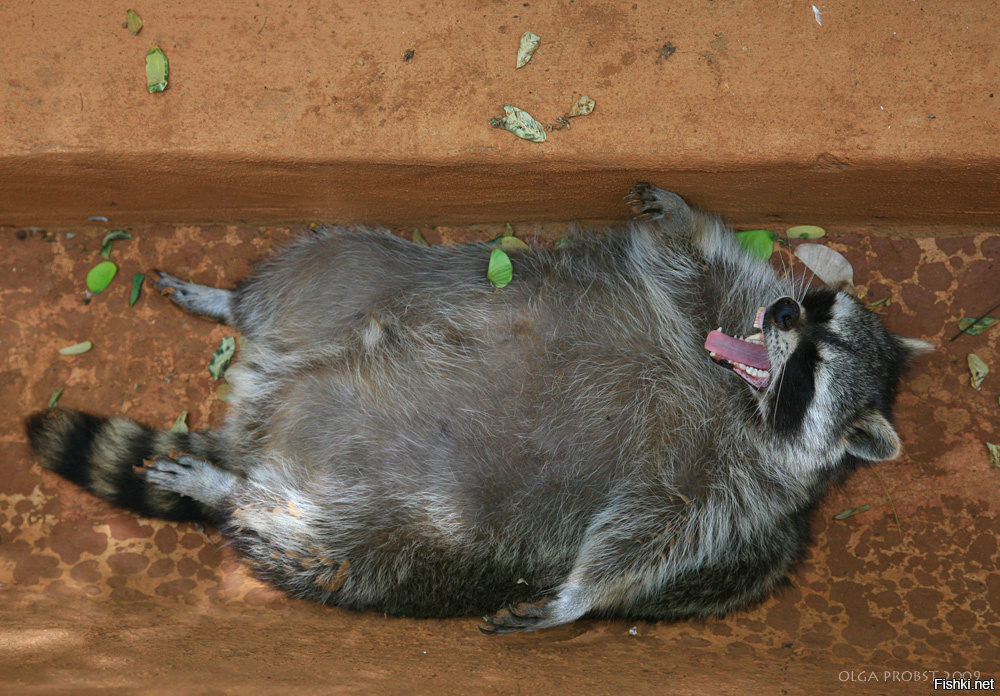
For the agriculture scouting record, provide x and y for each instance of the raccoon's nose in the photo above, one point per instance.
(784, 313)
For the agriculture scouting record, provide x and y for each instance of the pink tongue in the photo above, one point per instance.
(737, 351)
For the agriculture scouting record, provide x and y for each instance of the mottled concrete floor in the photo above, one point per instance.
(96, 597)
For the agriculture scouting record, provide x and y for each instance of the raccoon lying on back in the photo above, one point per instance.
(584, 442)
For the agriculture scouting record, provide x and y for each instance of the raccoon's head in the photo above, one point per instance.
(825, 372)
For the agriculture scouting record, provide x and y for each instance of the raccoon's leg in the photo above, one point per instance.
(198, 299)
(709, 235)
(623, 560)
(189, 476)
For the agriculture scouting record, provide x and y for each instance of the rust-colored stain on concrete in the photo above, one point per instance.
(96, 597)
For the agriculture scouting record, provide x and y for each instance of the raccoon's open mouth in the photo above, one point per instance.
(744, 355)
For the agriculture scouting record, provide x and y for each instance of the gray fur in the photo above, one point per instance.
(407, 439)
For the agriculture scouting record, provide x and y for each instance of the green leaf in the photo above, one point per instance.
(584, 105)
(223, 391)
(529, 44)
(137, 281)
(850, 512)
(112, 236)
(133, 22)
(805, 232)
(500, 271)
(994, 452)
(157, 70)
(561, 241)
(974, 328)
(76, 348)
(513, 244)
(520, 123)
(759, 243)
(54, 399)
(884, 302)
(180, 425)
(978, 369)
(488, 244)
(418, 238)
(506, 241)
(100, 276)
(221, 357)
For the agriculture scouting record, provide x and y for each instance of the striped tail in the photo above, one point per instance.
(99, 453)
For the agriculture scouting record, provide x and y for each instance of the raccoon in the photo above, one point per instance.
(595, 439)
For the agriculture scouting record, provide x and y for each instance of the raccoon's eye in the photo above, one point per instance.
(784, 313)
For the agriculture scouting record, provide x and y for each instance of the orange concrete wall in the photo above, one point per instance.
(282, 111)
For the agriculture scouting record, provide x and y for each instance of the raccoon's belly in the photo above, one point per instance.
(454, 491)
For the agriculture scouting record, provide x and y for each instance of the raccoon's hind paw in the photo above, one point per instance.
(167, 472)
(527, 616)
(650, 203)
(187, 475)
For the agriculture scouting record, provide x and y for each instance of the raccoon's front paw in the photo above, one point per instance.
(183, 294)
(180, 292)
(168, 284)
(527, 616)
(200, 299)
(650, 203)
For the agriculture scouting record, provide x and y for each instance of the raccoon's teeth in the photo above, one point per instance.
(752, 371)
(757, 338)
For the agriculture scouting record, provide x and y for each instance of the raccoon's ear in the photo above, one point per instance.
(914, 347)
(873, 439)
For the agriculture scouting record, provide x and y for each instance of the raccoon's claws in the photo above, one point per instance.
(179, 291)
(526, 616)
(169, 464)
(166, 284)
(166, 470)
(633, 198)
(198, 299)
(644, 201)
(651, 203)
(638, 190)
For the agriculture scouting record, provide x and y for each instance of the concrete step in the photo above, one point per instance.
(887, 113)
